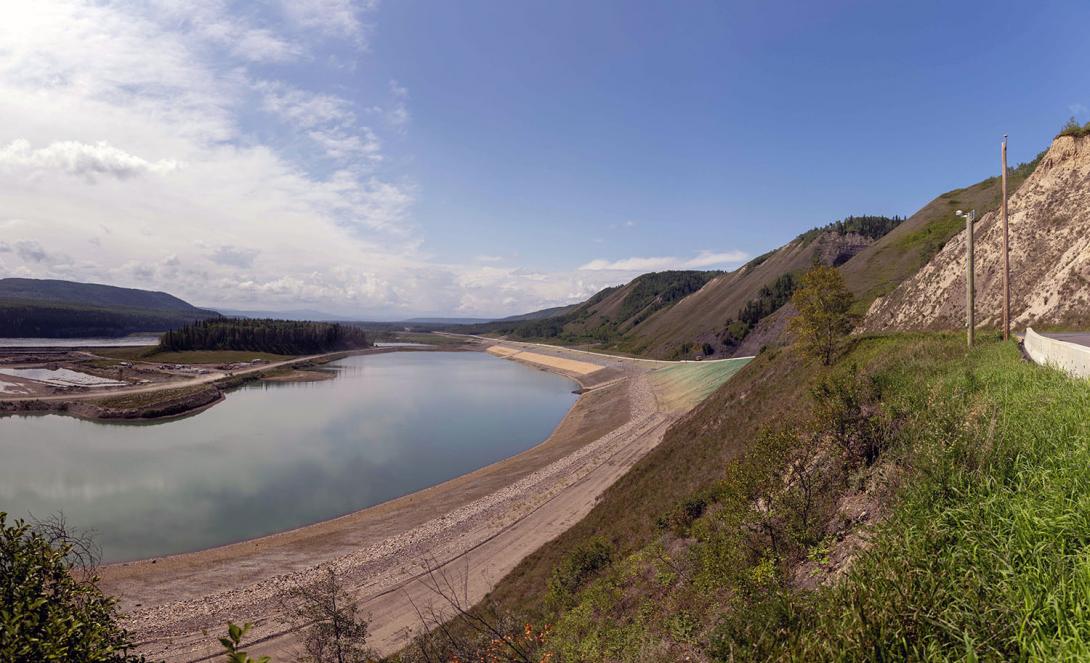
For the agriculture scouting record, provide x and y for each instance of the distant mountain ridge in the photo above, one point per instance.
(92, 294)
(50, 308)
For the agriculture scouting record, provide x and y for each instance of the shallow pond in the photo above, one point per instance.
(278, 455)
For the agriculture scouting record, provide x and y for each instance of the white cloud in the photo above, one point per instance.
(334, 17)
(337, 145)
(303, 108)
(155, 103)
(1079, 110)
(398, 112)
(75, 158)
(260, 45)
(708, 259)
(235, 256)
(701, 260)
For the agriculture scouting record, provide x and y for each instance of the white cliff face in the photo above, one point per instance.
(1049, 220)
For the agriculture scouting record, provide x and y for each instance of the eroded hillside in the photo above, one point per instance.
(1049, 257)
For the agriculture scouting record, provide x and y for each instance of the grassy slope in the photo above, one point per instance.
(690, 458)
(985, 551)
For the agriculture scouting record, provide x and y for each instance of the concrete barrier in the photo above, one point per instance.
(1071, 358)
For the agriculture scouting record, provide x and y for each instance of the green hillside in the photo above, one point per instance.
(910, 502)
(43, 308)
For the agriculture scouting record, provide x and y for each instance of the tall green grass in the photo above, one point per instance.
(983, 553)
(987, 555)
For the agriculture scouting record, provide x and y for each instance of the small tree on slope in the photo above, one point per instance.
(823, 302)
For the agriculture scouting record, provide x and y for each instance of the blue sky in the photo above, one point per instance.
(478, 158)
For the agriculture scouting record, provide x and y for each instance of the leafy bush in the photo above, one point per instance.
(232, 645)
(823, 302)
(50, 606)
(579, 565)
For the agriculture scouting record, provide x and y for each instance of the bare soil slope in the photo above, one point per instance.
(1049, 257)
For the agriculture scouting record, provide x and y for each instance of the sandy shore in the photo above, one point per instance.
(475, 528)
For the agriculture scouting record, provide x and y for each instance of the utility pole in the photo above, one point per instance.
(1006, 252)
(970, 284)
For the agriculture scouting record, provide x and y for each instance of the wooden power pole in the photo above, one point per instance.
(1006, 252)
(970, 284)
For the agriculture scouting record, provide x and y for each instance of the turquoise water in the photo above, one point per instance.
(275, 456)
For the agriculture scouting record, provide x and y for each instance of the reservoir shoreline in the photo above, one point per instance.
(201, 392)
(479, 525)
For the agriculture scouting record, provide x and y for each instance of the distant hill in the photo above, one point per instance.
(611, 318)
(447, 321)
(300, 315)
(47, 308)
(680, 314)
(1049, 252)
(543, 313)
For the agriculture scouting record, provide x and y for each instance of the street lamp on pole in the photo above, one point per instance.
(970, 285)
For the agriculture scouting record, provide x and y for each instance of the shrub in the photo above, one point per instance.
(232, 645)
(823, 301)
(576, 568)
(333, 631)
(50, 606)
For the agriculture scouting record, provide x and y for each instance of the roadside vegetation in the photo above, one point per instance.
(282, 337)
(823, 302)
(923, 504)
(52, 611)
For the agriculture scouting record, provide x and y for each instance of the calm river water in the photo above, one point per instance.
(278, 455)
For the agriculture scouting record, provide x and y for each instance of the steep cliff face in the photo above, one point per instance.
(1049, 222)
